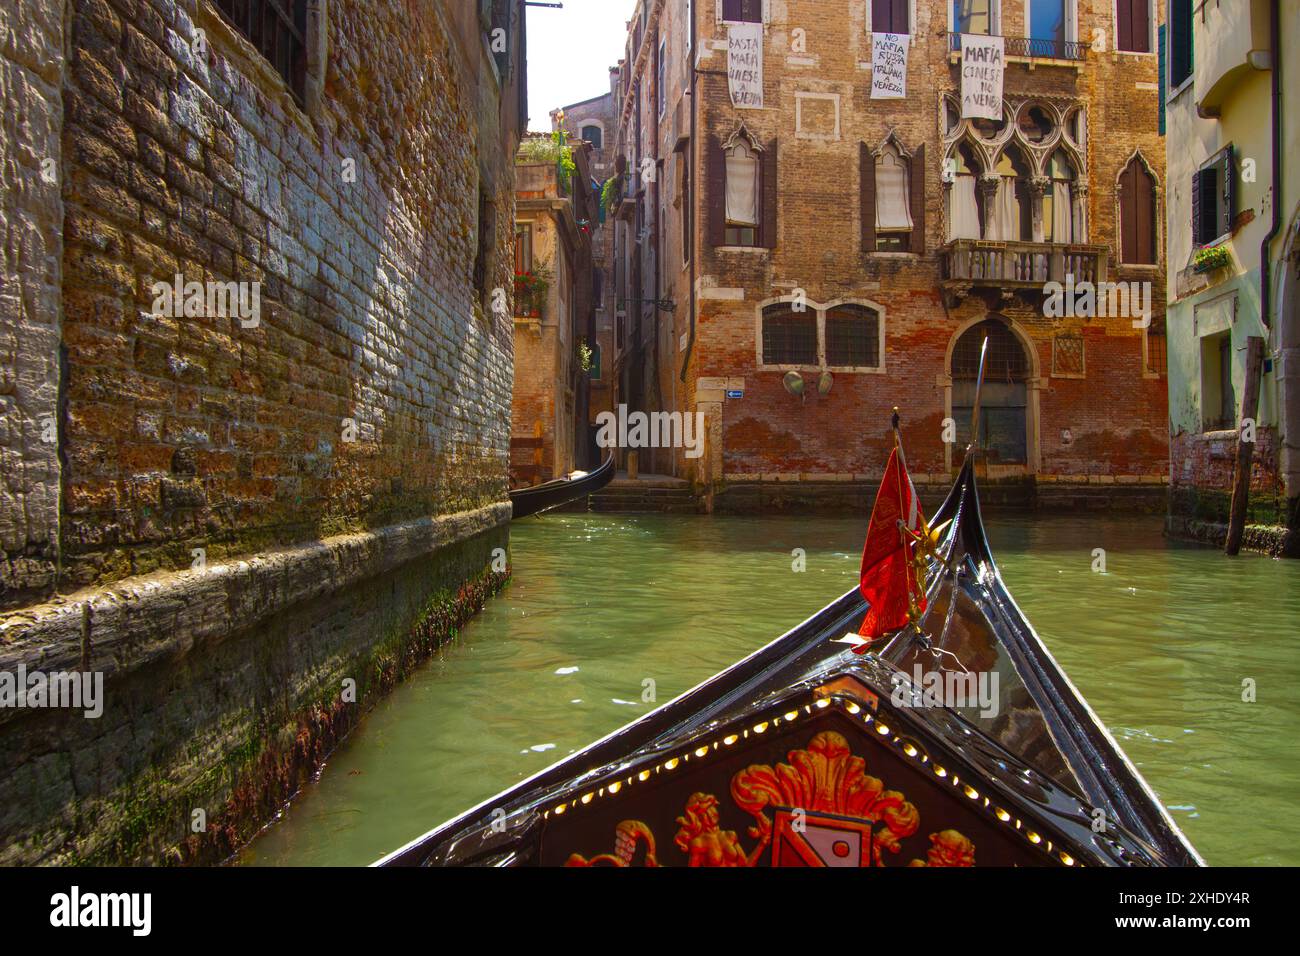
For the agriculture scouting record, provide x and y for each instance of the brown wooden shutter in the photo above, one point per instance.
(715, 168)
(916, 180)
(768, 185)
(1141, 26)
(1128, 246)
(1124, 24)
(867, 193)
(1144, 215)
(889, 16)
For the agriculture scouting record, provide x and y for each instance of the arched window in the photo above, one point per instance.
(852, 336)
(1011, 218)
(789, 337)
(893, 201)
(1058, 200)
(964, 213)
(742, 194)
(593, 135)
(1137, 214)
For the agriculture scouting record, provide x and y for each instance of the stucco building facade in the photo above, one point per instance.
(1232, 225)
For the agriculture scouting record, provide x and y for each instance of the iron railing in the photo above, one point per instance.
(1033, 47)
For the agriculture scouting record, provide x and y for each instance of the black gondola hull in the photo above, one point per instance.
(561, 491)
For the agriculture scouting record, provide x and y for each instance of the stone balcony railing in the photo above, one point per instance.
(985, 263)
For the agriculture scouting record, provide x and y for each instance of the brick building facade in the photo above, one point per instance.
(231, 513)
(556, 213)
(869, 244)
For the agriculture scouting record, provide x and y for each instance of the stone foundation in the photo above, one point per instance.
(856, 496)
(224, 690)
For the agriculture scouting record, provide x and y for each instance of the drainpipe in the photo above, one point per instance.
(1255, 345)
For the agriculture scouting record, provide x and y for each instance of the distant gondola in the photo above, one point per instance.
(552, 494)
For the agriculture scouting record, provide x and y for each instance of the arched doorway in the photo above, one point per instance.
(1004, 401)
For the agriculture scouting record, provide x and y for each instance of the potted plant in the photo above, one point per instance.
(1211, 258)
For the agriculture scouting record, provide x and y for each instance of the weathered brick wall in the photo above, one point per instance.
(326, 559)
(31, 225)
(1116, 415)
(198, 432)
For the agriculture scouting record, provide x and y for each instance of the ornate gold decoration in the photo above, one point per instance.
(626, 836)
(948, 848)
(825, 778)
(829, 812)
(704, 842)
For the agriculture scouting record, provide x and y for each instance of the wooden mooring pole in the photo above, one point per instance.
(1245, 449)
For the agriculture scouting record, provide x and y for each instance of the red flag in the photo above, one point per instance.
(888, 579)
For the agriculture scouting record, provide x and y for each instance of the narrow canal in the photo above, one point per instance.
(1160, 645)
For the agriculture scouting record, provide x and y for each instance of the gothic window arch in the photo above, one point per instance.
(1011, 219)
(1137, 213)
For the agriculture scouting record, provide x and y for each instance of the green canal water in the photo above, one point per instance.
(1160, 645)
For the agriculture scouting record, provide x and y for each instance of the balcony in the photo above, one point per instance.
(1031, 48)
(1231, 41)
(1018, 266)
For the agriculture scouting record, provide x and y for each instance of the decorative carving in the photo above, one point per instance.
(948, 848)
(626, 837)
(826, 811)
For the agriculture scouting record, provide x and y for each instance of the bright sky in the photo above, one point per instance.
(570, 52)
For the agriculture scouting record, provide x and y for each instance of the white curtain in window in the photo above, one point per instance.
(1004, 225)
(742, 187)
(893, 210)
(963, 215)
(1062, 213)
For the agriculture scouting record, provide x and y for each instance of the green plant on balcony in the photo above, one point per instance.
(530, 293)
(551, 149)
(611, 192)
(1210, 258)
(584, 356)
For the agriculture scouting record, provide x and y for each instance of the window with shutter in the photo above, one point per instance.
(1133, 25)
(1137, 214)
(890, 16)
(742, 11)
(743, 195)
(1180, 41)
(1214, 203)
(893, 210)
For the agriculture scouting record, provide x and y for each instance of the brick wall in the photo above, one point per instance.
(31, 242)
(1115, 416)
(198, 432)
(336, 456)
